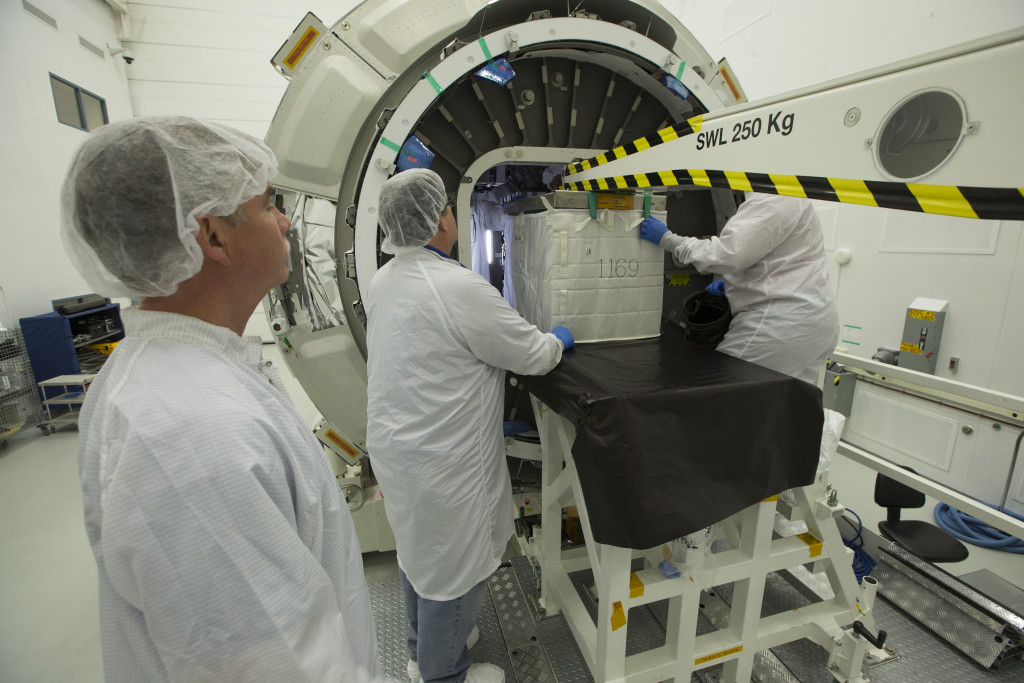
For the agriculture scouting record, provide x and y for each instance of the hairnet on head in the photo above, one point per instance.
(135, 188)
(410, 207)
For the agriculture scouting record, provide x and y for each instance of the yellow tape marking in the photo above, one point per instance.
(813, 544)
(942, 199)
(641, 144)
(676, 280)
(619, 152)
(788, 185)
(641, 180)
(667, 134)
(618, 616)
(699, 177)
(770, 500)
(603, 184)
(718, 655)
(668, 178)
(738, 181)
(601, 159)
(697, 122)
(585, 164)
(620, 182)
(852, 191)
(636, 586)
(918, 314)
(912, 348)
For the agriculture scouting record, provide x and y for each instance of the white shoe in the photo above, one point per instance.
(412, 670)
(474, 636)
(485, 673)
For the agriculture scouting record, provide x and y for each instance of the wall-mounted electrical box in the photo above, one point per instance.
(922, 332)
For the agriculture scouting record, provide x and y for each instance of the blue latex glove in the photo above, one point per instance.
(513, 427)
(717, 288)
(668, 569)
(652, 230)
(565, 336)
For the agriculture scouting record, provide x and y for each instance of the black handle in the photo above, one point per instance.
(862, 630)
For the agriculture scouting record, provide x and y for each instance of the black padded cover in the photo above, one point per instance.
(672, 437)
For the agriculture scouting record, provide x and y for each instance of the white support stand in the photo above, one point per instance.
(755, 555)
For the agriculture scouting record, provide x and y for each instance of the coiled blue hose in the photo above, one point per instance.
(863, 563)
(974, 531)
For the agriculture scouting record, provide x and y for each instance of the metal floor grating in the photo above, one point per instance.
(507, 625)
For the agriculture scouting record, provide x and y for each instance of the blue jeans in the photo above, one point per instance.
(438, 631)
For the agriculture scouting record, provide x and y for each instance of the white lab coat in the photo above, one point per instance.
(439, 339)
(771, 255)
(224, 549)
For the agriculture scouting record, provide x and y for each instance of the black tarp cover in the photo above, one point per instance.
(672, 437)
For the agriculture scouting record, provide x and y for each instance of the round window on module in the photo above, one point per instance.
(920, 134)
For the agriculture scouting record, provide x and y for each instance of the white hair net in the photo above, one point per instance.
(134, 190)
(410, 207)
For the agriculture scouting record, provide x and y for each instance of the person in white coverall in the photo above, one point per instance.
(224, 548)
(771, 256)
(439, 340)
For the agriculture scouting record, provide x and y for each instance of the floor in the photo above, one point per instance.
(49, 624)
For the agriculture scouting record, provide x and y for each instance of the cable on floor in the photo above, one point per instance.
(863, 563)
(976, 532)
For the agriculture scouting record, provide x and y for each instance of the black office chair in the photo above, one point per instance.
(923, 539)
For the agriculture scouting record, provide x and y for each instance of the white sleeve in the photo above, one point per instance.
(496, 333)
(214, 564)
(747, 238)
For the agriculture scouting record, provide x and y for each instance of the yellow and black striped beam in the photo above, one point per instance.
(996, 203)
(664, 135)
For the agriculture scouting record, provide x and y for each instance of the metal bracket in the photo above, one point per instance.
(348, 265)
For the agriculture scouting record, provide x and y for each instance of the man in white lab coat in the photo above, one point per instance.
(771, 256)
(224, 549)
(439, 339)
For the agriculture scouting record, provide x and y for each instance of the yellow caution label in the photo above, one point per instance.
(678, 280)
(616, 202)
(770, 500)
(813, 544)
(301, 47)
(918, 314)
(910, 348)
(341, 443)
(636, 586)
(618, 616)
(719, 655)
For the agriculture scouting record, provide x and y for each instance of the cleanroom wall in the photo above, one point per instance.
(36, 148)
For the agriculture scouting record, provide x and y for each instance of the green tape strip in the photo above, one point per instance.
(647, 204)
(679, 71)
(592, 199)
(390, 145)
(483, 46)
(430, 79)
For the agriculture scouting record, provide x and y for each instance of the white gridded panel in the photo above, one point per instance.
(593, 275)
(20, 406)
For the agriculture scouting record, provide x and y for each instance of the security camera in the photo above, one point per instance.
(125, 53)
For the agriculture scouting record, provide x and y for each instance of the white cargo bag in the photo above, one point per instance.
(593, 275)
